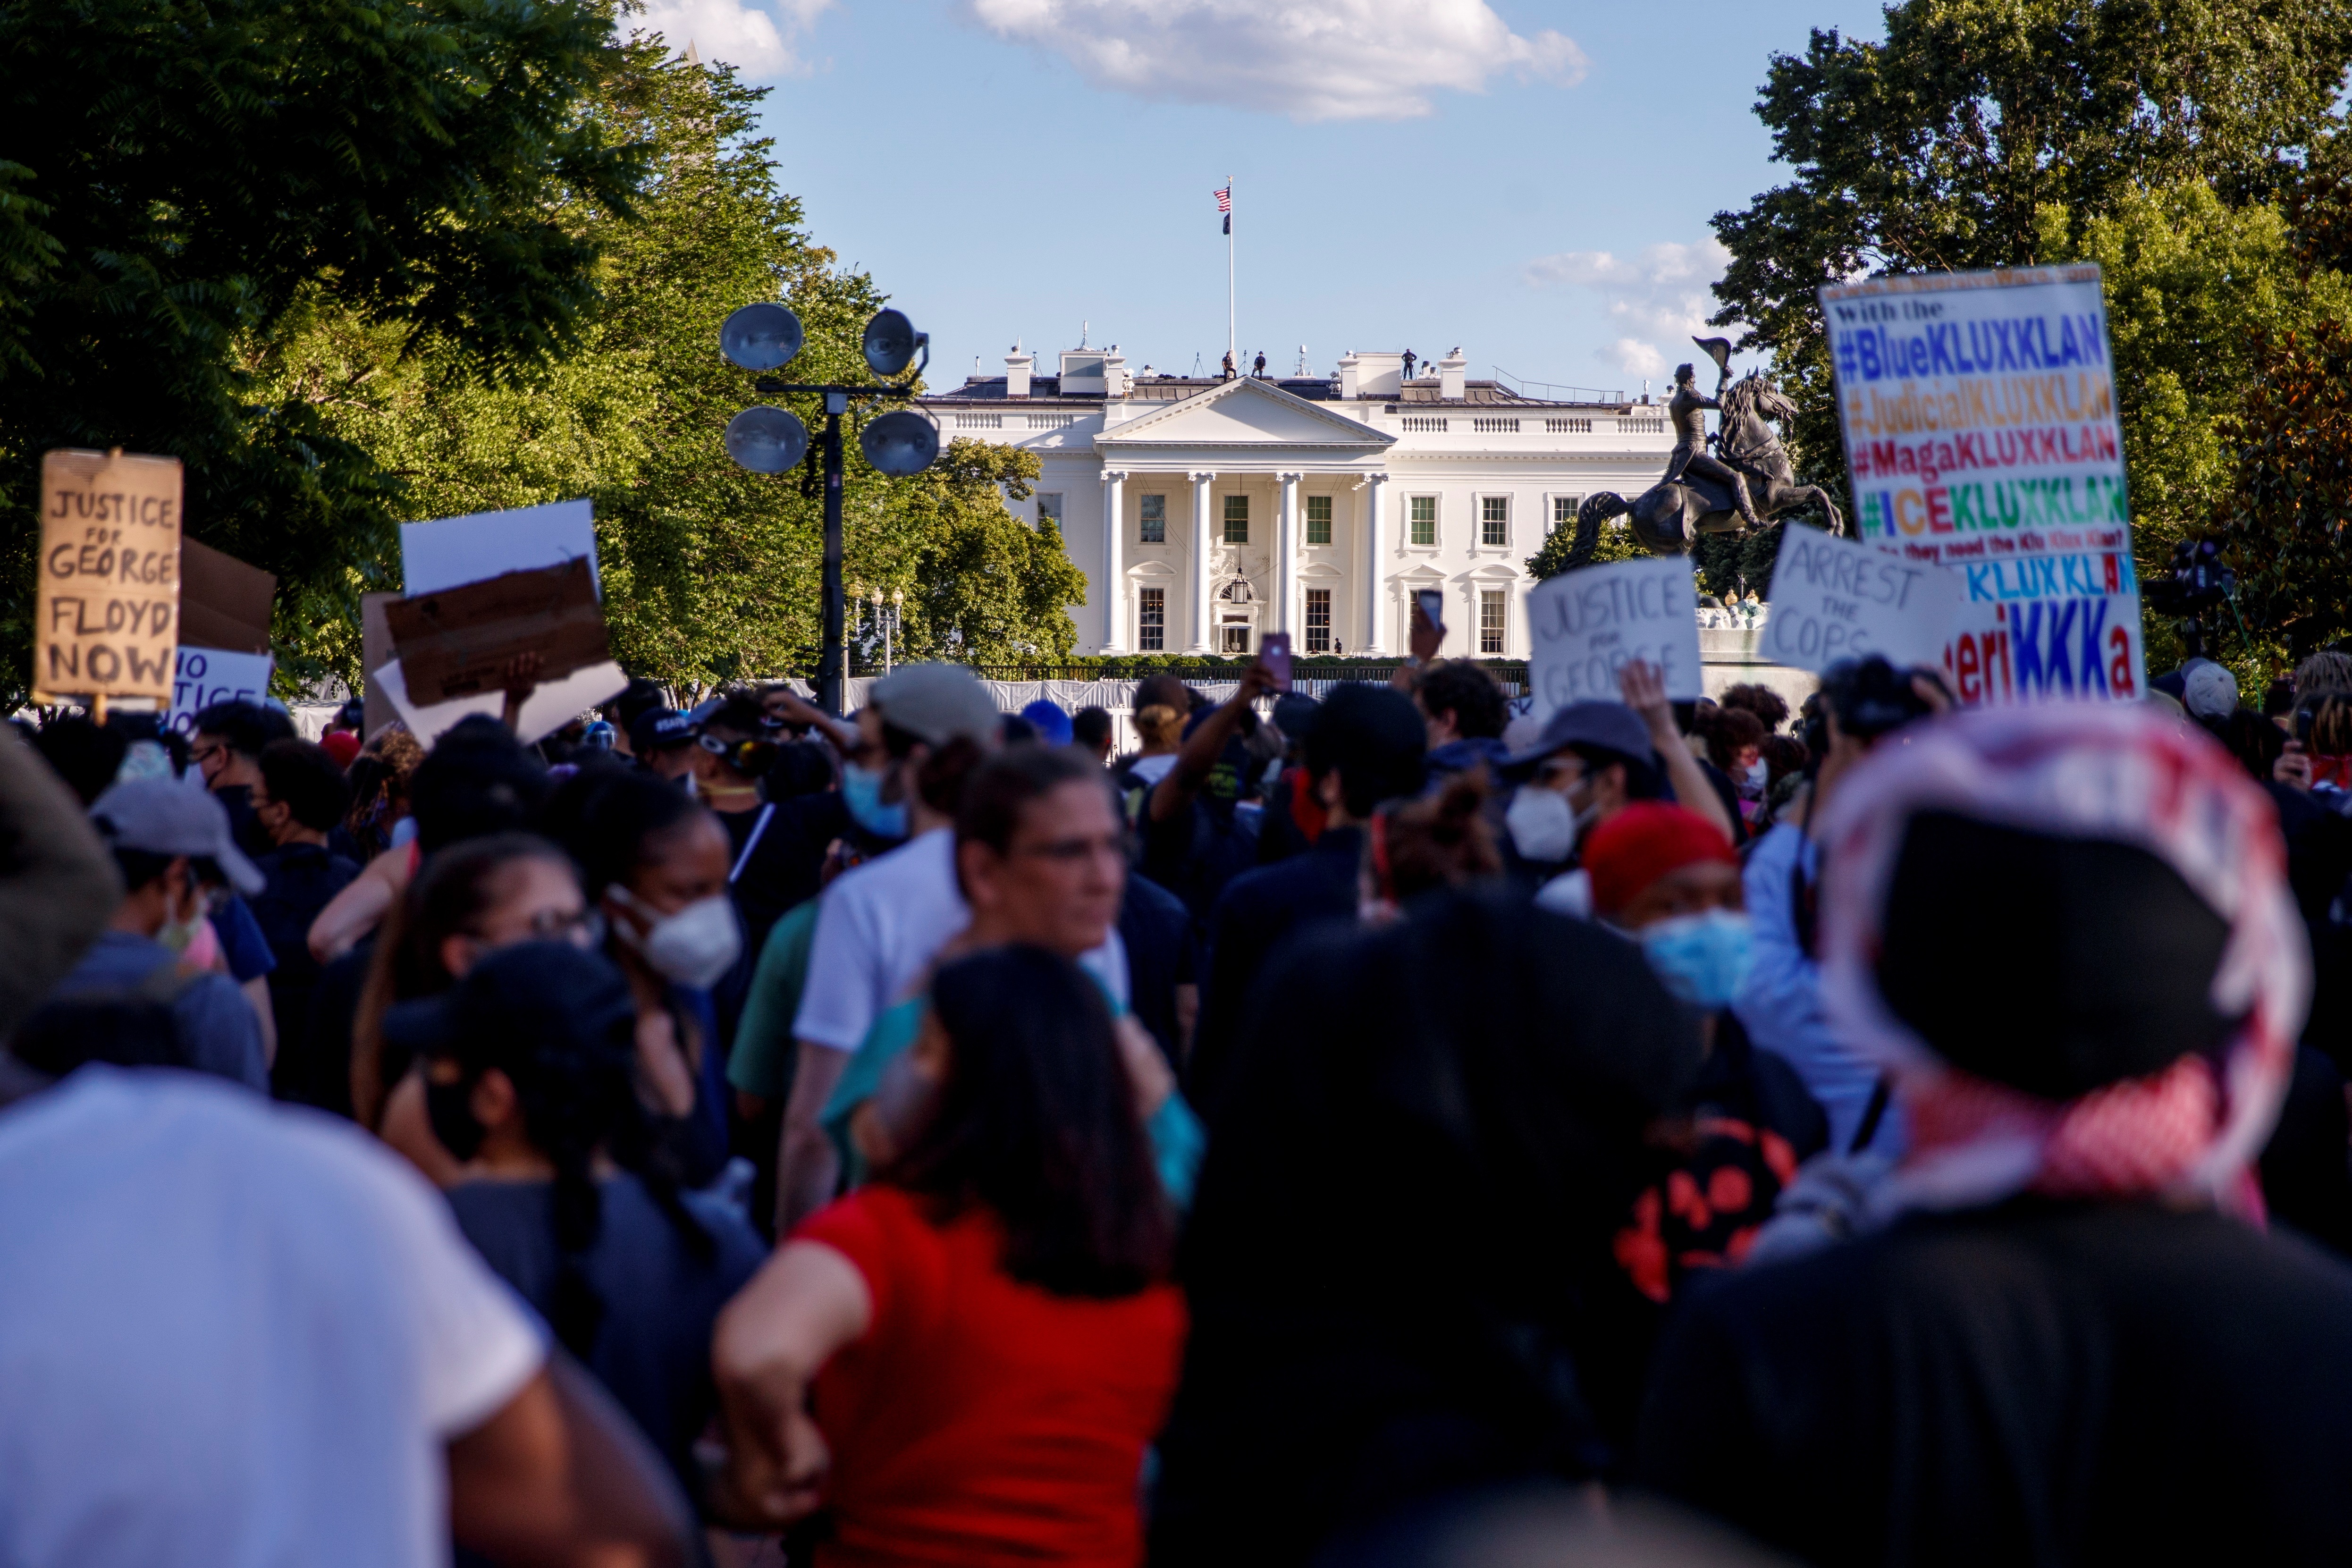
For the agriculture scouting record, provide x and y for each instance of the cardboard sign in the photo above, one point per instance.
(1979, 410)
(108, 616)
(1834, 599)
(1587, 625)
(223, 603)
(204, 676)
(547, 709)
(375, 652)
(460, 642)
(454, 551)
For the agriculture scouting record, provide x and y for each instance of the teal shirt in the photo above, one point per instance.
(764, 1057)
(1177, 1139)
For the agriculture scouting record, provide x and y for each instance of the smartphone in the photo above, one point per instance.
(1433, 605)
(1273, 652)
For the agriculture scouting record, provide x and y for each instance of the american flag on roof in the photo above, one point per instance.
(1225, 200)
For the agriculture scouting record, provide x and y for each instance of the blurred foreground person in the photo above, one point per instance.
(986, 1327)
(230, 1333)
(2066, 933)
(58, 885)
(1430, 1136)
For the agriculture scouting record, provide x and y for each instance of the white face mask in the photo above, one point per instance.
(691, 948)
(1542, 826)
(179, 933)
(1760, 772)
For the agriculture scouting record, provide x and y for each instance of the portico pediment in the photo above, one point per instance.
(1243, 413)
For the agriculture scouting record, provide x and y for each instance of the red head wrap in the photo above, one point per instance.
(1643, 843)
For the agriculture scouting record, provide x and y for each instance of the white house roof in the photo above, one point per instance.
(1244, 412)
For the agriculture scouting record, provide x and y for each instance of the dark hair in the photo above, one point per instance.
(302, 777)
(1375, 737)
(1725, 731)
(1462, 687)
(379, 777)
(1165, 689)
(62, 1034)
(85, 754)
(940, 780)
(607, 816)
(1036, 1122)
(802, 767)
(642, 697)
(1761, 701)
(478, 780)
(444, 899)
(140, 866)
(1434, 840)
(1870, 697)
(1783, 755)
(1641, 780)
(741, 712)
(1003, 785)
(244, 727)
(2253, 740)
(578, 1098)
(1090, 726)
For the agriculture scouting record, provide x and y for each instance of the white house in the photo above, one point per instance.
(1316, 507)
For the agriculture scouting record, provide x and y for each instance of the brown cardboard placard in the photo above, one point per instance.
(460, 641)
(375, 652)
(107, 620)
(223, 603)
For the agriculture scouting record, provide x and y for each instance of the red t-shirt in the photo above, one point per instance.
(980, 1420)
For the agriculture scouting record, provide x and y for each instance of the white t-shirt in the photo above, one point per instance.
(877, 931)
(231, 1334)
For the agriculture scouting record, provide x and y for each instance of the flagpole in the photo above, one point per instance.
(1232, 339)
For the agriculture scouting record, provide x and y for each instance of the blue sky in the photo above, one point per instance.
(1530, 180)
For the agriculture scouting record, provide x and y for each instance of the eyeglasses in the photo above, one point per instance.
(201, 753)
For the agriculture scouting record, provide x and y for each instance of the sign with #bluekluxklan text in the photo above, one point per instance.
(1979, 410)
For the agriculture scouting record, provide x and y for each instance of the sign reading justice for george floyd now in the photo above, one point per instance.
(108, 614)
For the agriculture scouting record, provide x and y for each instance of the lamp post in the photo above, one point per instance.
(897, 608)
(769, 440)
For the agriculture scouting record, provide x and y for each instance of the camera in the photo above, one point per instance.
(2197, 581)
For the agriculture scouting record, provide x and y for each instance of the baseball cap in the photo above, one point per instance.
(1601, 724)
(936, 703)
(165, 816)
(661, 728)
(544, 996)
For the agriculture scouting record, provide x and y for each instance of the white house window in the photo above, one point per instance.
(1237, 522)
(1493, 608)
(1152, 620)
(1567, 427)
(1319, 620)
(1049, 506)
(1155, 520)
(1234, 637)
(1494, 520)
(1319, 519)
(1421, 519)
(1563, 512)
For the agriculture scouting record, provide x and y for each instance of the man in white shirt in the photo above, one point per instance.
(231, 1333)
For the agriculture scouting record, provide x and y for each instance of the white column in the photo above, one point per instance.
(1469, 648)
(1114, 583)
(1285, 559)
(1375, 564)
(1201, 548)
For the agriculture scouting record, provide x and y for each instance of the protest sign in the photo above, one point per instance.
(454, 551)
(1585, 626)
(1834, 598)
(463, 641)
(375, 652)
(548, 709)
(204, 676)
(107, 611)
(223, 603)
(1979, 410)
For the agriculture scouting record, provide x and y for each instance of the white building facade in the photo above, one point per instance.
(1208, 513)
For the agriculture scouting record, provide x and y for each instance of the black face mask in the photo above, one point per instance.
(449, 1107)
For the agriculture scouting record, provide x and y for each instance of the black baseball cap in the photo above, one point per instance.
(661, 728)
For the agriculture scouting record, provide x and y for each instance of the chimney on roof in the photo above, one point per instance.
(1450, 376)
(1017, 366)
(1115, 382)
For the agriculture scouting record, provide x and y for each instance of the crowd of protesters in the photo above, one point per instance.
(1376, 1128)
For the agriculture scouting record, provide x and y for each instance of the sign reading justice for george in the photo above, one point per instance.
(109, 575)
(1586, 625)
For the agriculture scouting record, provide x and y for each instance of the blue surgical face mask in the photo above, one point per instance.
(1704, 959)
(861, 792)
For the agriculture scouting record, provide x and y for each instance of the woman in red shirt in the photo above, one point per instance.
(988, 1327)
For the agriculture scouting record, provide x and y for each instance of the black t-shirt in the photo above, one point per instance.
(301, 879)
(1157, 931)
(2034, 1383)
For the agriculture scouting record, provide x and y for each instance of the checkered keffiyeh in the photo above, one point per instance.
(2114, 772)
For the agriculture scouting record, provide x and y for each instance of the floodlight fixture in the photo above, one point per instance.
(767, 440)
(890, 342)
(900, 444)
(765, 336)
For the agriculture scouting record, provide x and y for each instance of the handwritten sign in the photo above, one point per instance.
(1586, 625)
(204, 676)
(458, 642)
(1979, 410)
(108, 612)
(1834, 599)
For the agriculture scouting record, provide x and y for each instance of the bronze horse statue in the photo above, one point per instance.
(1668, 517)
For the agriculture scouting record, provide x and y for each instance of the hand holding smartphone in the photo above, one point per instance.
(1273, 652)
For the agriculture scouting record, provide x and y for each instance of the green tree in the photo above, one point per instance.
(182, 174)
(1616, 544)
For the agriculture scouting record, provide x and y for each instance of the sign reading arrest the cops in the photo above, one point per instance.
(109, 575)
(1585, 626)
(1834, 599)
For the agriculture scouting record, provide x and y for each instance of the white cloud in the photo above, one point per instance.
(758, 39)
(1311, 59)
(1662, 294)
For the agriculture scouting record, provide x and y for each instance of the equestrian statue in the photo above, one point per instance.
(1746, 482)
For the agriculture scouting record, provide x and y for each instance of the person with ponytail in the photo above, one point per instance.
(529, 1066)
(963, 1361)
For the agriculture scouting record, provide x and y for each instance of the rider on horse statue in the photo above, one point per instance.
(1688, 411)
